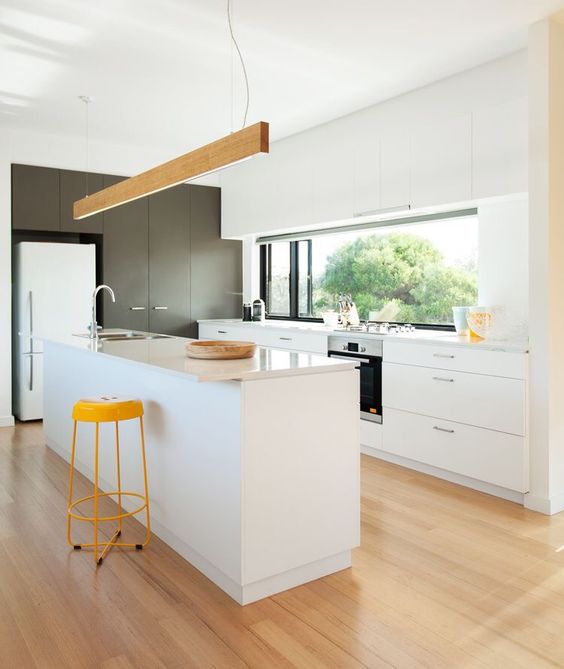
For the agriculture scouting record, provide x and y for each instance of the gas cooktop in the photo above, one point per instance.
(371, 327)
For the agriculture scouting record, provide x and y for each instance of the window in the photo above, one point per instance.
(401, 272)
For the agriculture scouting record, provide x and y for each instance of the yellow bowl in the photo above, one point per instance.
(479, 323)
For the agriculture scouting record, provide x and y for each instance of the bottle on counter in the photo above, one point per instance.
(247, 311)
(259, 310)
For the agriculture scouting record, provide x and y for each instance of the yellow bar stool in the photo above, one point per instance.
(107, 410)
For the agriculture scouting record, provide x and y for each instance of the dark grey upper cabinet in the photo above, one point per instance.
(216, 264)
(169, 261)
(126, 263)
(75, 186)
(35, 198)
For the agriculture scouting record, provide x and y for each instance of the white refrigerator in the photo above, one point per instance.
(53, 285)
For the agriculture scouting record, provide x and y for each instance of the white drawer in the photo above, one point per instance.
(223, 332)
(494, 363)
(494, 457)
(492, 402)
(298, 341)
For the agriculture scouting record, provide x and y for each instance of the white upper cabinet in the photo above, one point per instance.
(292, 166)
(366, 173)
(441, 163)
(431, 147)
(500, 149)
(395, 170)
(332, 151)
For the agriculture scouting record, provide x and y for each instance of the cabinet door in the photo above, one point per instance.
(35, 198)
(126, 263)
(395, 171)
(442, 162)
(366, 174)
(75, 186)
(500, 149)
(169, 261)
(332, 175)
(216, 283)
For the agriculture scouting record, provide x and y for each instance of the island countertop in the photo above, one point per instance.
(169, 354)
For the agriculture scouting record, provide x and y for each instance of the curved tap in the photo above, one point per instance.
(94, 324)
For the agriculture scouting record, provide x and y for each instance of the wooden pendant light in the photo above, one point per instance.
(226, 151)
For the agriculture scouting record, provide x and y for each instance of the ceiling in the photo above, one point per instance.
(160, 71)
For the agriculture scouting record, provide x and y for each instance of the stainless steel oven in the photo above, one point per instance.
(368, 353)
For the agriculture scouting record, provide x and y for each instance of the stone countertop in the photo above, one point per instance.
(169, 355)
(421, 336)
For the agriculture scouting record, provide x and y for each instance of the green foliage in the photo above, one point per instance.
(402, 276)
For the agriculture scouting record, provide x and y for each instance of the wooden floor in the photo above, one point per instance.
(445, 577)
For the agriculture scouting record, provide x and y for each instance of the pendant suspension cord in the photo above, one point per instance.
(87, 145)
(87, 100)
(234, 41)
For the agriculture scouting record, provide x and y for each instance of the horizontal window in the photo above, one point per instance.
(402, 272)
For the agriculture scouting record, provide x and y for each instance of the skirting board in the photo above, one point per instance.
(7, 421)
(481, 486)
(547, 505)
(242, 594)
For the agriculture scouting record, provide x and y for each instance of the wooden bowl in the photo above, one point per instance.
(220, 350)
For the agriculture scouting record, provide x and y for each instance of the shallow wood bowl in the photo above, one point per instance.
(220, 350)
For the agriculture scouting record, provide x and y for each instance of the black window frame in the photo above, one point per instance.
(293, 283)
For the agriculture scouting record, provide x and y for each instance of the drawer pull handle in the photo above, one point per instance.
(160, 308)
(443, 355)
(442, 429)
(222, 332)
(286, 338)
(137, 308)
(442, 378)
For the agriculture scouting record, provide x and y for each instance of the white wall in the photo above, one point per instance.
(51, 151)
(503, 278)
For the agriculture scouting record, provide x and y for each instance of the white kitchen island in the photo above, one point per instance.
(253, 464)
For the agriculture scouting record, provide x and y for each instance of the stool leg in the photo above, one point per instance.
(71, 476)
(148, 533)
(96, 495)
(118, 478)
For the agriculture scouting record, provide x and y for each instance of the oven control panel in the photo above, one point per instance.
(367, 346)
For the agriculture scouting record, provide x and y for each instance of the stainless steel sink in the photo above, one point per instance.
(127, 336)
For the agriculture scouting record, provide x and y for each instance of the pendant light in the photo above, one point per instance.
(234, 148)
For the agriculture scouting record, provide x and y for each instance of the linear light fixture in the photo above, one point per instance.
(223, 152)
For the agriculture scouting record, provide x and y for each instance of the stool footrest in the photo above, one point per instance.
(117, 516)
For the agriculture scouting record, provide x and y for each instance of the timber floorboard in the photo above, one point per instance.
(445, 577)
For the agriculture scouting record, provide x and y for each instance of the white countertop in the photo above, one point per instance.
(169, 355)
(435, 337)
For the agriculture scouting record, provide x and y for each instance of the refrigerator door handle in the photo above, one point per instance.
(30, 383)
(31, 320)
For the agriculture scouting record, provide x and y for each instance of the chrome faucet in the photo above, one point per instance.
(93, 324)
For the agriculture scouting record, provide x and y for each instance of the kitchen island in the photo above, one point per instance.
(253, 464)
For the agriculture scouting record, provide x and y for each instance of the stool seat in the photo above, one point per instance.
(107, 409)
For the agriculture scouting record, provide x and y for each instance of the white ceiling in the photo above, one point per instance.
(159, 71)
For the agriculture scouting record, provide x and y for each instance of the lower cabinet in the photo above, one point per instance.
(265, 336)
(456, 409)
(225, 332)
(482, 400)
(494, 457)
(297, 341)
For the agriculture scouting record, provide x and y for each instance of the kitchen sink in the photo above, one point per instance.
(130, 335)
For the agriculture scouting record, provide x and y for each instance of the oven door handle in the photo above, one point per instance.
(351, 358)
